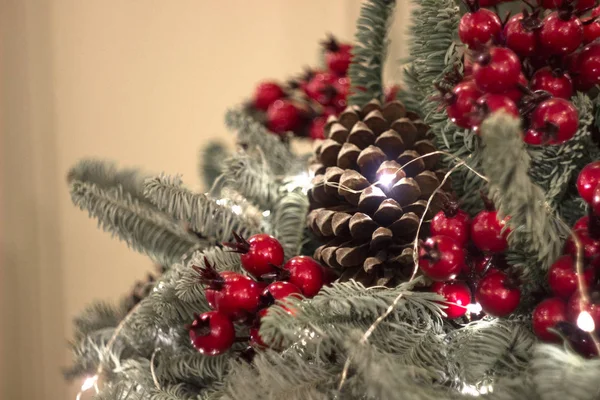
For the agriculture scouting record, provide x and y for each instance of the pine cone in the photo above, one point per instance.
(364, 207)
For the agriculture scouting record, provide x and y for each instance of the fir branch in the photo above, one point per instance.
(203, 214)
(252, 135)
(191, 367)
(210, 163)
(252, 178)
(105, 175)
(369, 51)
(506, 164)
(141, 227)
(99, 315)
(289, 221)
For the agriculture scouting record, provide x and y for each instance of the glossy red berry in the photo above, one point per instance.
(306, 274)
(320, 88)
(279, 291)
(574, 307)
(212, 333)
(520, 33)
(255, 339)
(595, 203)
(556, 83)
(534, 137)
(260, 254)
(266, 94)
(491, 102)
(591, 245)
(562, 277)
(441, 258)
(457, 296)
(452, 222)
(283, 116)
(461, 104)
(557, 119)
(337, 56)
(239, 298)
(546, 315)
(227, 278)
(478, 27)
(489, 233)
(561, 33)
(516, 93)
(588, 180)
(581, 223)
(589, 64)
(591, 29)
(497, 294)
(497, 70)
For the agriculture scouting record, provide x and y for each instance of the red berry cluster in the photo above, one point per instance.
(528, 66)
(464, 257)
(237, 298)
(562, 311)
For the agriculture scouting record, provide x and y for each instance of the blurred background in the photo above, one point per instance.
(144, 82)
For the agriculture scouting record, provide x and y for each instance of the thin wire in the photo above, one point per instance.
(394, 303)
(152, 371)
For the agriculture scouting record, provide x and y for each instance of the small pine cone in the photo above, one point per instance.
(365, 206)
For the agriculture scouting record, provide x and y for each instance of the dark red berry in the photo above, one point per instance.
(591, 29)
(452, 222)
(595, 203)
(591, 245)
(556, 83)
(580, 5)
(546, 315)
(497, 70)
(520, 33)
(533, 137)
(516, 93)
(489, 3)
(490, 103)
(497, 294)
(266, 94)
(562, 277)
(283, 116)
(561, 33)
(589, 64)
(227, 278)
(338, 56)
(557, 119)
(488, 233)
(574, 307)
(461, 104)
(279, 291)
(317, 128)
(441, 258)
(582, 223)
(306, 274)
(212, 333)
(457, 295)
(260, 254)
(478, 27)
(588, 180)
(255, 339)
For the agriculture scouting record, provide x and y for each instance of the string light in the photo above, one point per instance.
(476, 391)
(236, 209)
(474, 308)
(386, 179)
(88, 383)
(266, 213)
(585, 322)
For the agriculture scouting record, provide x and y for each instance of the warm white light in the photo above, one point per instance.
(236, 209)
(266, 213)
(476, 391)
(387, 179)
(302, 180)
(88, 383)
(474, 308)
(585, 322)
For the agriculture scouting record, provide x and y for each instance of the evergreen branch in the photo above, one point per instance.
(252, 135)
(191, 367)
(143, 228)
(95, 317)
(105, 175)
(369, 51)
(203, 214)
(210, 163)
(289, 221)
(252, 178)
(506, 164)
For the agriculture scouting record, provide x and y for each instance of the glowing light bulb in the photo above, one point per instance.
(88, 383)
(387, 179)
(474, 308)
(266, 213)
(236, 209)
(585, 322)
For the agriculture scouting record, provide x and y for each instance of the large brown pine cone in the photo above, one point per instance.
(368, 223)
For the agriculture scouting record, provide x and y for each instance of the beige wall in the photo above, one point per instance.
(145, 82)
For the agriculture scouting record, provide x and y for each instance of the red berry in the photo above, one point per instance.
(266, 94)
(546, 315)
(589, 64)
(488, 233)
(279, 291)
(228, 278)
(342, 88)
(260, 254)
(452, 222)
(391, 92)
(496, 71)
(556, 83)
(561, 33)
(588, 180)
(595, 203)
(574, 307)
(479, 27)
(557, 119)
(338, 57)
(283, 116)
(441, 258)
(521, 35)
(497, 295)
(212, 333)
(582, 223)
(489, 3)
(533, 137)
(591, 246)
(580, 5)
(457, 296)
(490, 103)
(516, 93)
(591, 30)
(255, 339)
(306, 274)
(317, 128)
(562, 277)
(320, 88)
(461, 104)
(238, 298)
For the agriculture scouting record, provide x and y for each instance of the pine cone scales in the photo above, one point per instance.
(370, 191)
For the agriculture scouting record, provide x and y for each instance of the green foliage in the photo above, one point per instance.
(211, 162)
(369, 51)
(289, 219)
